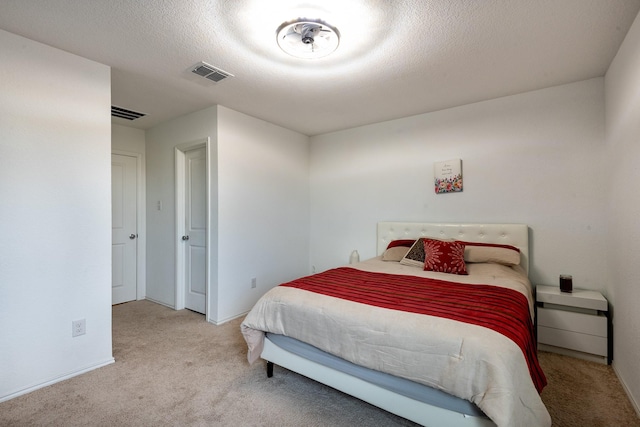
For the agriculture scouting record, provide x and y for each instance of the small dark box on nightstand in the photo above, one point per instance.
(566, 283)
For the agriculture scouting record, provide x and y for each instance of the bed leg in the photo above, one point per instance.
(269, 369)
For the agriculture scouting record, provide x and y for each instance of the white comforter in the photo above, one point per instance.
(468, 361)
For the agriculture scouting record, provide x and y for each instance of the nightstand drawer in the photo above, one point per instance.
(573, 340)
(573, 322)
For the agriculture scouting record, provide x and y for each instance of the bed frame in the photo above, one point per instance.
(425, 414)
(505, 234)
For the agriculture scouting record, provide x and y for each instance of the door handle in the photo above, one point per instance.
(132, 236)
(185, 237)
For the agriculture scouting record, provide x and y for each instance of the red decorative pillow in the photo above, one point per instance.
(444, 257)
(403, 242)
(492, 245)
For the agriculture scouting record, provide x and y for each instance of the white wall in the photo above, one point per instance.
(161, 141)
(260, 190)
(55, 214)
(622, 83)
(124, 138)
(535, 158)
(263, 209)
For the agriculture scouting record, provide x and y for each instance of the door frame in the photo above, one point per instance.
(141, 223)
(180, 168)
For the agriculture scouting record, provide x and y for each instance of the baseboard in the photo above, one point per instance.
(57, 379)
(172, 307)
(214, 322)
(635, 404)
(228, 319)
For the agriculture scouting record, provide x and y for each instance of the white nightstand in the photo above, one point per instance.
(575, 324)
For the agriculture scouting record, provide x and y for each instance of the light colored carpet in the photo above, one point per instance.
(581, 393)
(174, 369)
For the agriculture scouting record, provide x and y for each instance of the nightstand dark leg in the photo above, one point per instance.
(269, 369)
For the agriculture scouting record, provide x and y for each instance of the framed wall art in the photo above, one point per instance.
(448, 176)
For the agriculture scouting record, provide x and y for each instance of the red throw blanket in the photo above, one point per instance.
(504, 310)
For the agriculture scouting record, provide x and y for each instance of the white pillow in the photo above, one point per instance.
(499, 255)
(395, 254)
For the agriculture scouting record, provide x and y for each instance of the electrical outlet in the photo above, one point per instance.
(78, 327)
(253, 282)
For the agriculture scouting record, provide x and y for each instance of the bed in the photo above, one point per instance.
(416, 343)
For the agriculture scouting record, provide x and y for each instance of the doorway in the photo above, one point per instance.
(192, 221)
(126, 245)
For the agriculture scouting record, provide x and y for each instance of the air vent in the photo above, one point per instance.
(123, 113)
(210, 72)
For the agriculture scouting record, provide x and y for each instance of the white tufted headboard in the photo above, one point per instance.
(506, 234)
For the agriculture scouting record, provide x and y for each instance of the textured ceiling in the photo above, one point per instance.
(395, 59)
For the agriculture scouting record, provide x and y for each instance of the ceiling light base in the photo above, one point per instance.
(307, 38)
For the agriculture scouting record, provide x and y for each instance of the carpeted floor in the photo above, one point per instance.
(174, 369)
(581, 393)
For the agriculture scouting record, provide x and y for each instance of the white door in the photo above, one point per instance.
(195, 229)
(123, 230)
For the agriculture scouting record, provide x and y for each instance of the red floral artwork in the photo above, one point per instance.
(448, 185)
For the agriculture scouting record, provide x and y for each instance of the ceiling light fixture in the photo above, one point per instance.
(307, 38)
